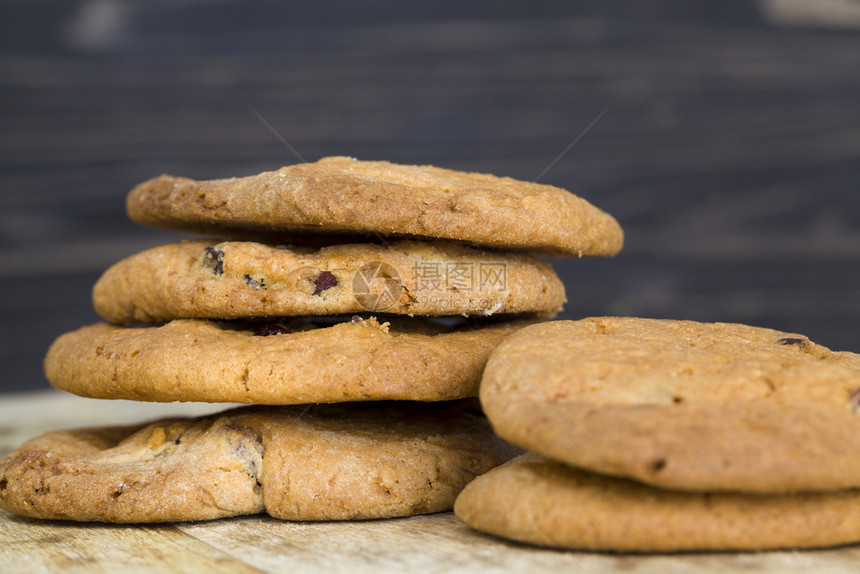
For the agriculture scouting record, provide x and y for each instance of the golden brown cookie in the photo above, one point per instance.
(680, 404)
(532, 499)
(377, 197)
(332, 462)
(275, 363)
(211, 279)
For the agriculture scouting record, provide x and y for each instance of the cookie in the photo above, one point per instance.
(275, 363)
(532, 499)
(377, 197)
(333, 462)
(211, 279)
(680, 404)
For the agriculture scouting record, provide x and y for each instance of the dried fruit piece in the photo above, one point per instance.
(213, 259)
(325, 280)
(255, 283)
(266, 329)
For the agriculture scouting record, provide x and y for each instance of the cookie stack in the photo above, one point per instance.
(361, 314)
(657, 435)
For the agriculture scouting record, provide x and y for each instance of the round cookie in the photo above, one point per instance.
(332, 462)
(680, 404)
(532, 499)
(211, 279)
(377, 197)
(291, 362)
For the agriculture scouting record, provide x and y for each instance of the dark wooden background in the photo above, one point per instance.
(730, 151)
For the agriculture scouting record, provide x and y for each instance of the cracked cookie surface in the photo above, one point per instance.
(277, 362)
(212, 279)
(681, 404)
(326, 462)
(535, 500)
(377, 197)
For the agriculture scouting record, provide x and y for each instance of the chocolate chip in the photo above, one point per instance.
(266, 329)
(356, 319)
(325, 280)
(793, 341)
(855, 401)
(213, 259)
(255, 283)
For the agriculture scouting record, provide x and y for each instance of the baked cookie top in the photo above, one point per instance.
(211, 279)
(332, 462)
(681, 404)
(535, 500)
(341, 194)
(291, 361)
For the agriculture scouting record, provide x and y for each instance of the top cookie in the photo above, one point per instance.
(341, 194)
(680, 404)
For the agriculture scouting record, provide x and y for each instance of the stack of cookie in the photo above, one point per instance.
(345, 322)
(658, 435)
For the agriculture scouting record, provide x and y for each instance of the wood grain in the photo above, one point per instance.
(440, 543)
(730, 152)
(435, 543)
(33, 546)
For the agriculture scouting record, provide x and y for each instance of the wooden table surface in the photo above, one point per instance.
(434, 543)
